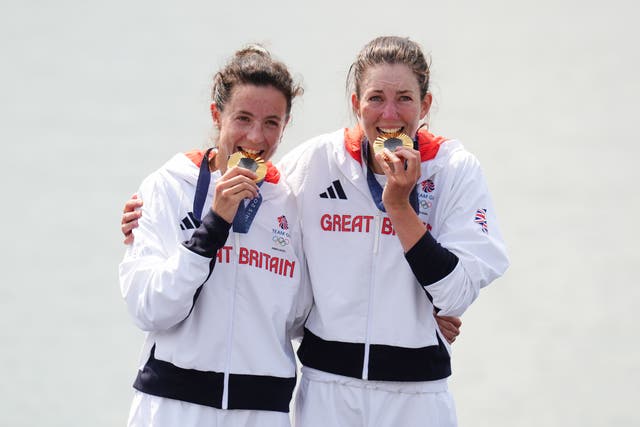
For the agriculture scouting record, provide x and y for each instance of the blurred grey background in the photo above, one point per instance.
(96, 95)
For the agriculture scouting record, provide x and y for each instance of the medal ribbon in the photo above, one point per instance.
(374, 186)
(202, 186)
(245, 214)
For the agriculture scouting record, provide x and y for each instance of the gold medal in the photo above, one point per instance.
(254, 164)
(392, 140)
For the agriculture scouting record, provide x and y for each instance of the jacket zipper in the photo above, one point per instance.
(376, 243)
(225, 390)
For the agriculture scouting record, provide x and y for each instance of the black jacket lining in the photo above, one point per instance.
(386, 363)
(429, 261)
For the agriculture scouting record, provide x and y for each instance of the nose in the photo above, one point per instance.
(390, 111)
(255, 134)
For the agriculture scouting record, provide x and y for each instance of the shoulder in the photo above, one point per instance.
(170, 177)
(453, 155)
(320, 143)
(315, 150)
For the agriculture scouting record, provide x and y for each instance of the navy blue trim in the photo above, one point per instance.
(164, 379)
(212, 263)
(386, 363)
(429, 261)
(260, 392)
(210, 235)
(337, 357)
(389, 363)
(253, 392)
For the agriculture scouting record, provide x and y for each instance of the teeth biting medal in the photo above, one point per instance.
(391, 140)
(247, 161)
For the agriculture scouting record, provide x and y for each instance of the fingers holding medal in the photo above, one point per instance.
(239, 182)
(385, 147)
(254, 164)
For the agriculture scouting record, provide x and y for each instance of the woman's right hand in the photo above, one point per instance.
(233, 187)
(130, 215)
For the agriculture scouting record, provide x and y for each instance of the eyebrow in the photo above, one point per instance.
(273, 116)
(397, 92)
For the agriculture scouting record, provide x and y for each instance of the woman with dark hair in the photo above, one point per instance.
(216, 274)
(398, 224)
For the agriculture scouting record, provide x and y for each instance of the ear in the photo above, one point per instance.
(355, 104)
(215, 114)
(425, 105)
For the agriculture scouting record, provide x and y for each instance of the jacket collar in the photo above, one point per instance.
(272, 176)
(428, 143)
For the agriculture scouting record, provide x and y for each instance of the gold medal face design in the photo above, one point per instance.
(246, 161)
(392, 140)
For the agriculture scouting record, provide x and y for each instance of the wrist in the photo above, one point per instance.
(398, 209)
(225, 214)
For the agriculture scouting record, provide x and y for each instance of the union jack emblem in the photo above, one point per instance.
(427, 186)
(481, 218)
(282, 222)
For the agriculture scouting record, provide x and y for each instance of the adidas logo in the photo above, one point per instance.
(189, 222)
(334, 191)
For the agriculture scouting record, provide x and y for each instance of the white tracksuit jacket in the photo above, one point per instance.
(219, 312)
(373, 305)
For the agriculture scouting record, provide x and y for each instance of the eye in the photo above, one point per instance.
(243, 118)
(406, 98)
(375, 98)
(273, 123)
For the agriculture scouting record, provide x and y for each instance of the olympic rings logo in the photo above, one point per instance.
(424, 204)
(282, 241)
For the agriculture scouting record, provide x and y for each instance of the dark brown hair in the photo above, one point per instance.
(389, 50)
(253, 65)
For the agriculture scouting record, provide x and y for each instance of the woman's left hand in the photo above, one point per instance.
(449, 326)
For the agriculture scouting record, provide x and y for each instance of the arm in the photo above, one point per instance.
(395, 196)
(417, 242)
(230, 193)
(465, 257)
(159, 275)
(467, 227)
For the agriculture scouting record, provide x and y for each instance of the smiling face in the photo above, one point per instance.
(390, 101)
(252, 121)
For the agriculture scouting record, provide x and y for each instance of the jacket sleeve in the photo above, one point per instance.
(467, 228)
(304, 301)
(160, 275)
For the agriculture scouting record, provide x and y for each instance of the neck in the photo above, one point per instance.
(216, 162)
